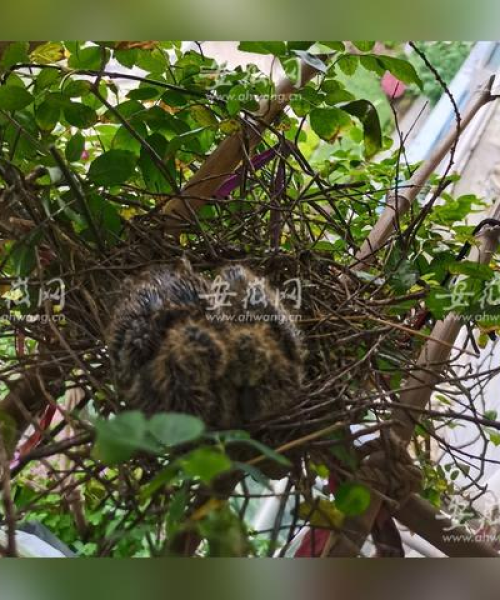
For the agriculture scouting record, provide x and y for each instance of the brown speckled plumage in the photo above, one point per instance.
(174, 350)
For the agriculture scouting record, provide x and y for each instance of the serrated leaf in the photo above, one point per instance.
(401, 69)
(203, 116)
(14, 97)
(76, 88)
(364, 46)
(86, 58)
(49, 53)
(328, 122)
(80, 115)
(46, 78)
(348, 63)
(113, 167)
(372, 63)
(127, 58)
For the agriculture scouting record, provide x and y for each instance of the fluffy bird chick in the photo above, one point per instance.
(260, 375)
(174, 350)
(254, 302)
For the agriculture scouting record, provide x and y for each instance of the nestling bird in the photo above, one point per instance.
(231, 356)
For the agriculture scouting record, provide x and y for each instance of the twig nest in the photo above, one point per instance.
(180, 342)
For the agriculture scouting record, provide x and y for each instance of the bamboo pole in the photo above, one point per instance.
(421, 517)
(227, 156)
(416, 394)
(399, 203)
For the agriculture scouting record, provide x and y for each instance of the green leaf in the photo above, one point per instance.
(126, 110)
(338, 96)
(183, 140)
(292, 46)
(364, 46)
(205, 463)
(472, 269)
(403, 274)
(127, 58)
(15, 53)
(154, 179)
(87, 58)
(367, 114)
(491, 415)
(124, 140)
(203, 116)
(348, 63)
(352, 498)
(144, 93)
(46, 78)
(105, 216)
(118, 439)
(338, 46)
(401, 69)
(153, 61)
(174, 98)
(372, 63)
(276, 48)
(454, 209)
(494, 438)
(47, 115)
(76, 88)
(112, 167)
(328, 122)
(80, 115)
(23, 257)
(75, 147)
(13, 97)
(171, 429)
(437, 301)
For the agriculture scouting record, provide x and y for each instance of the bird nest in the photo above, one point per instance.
(343, 317)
